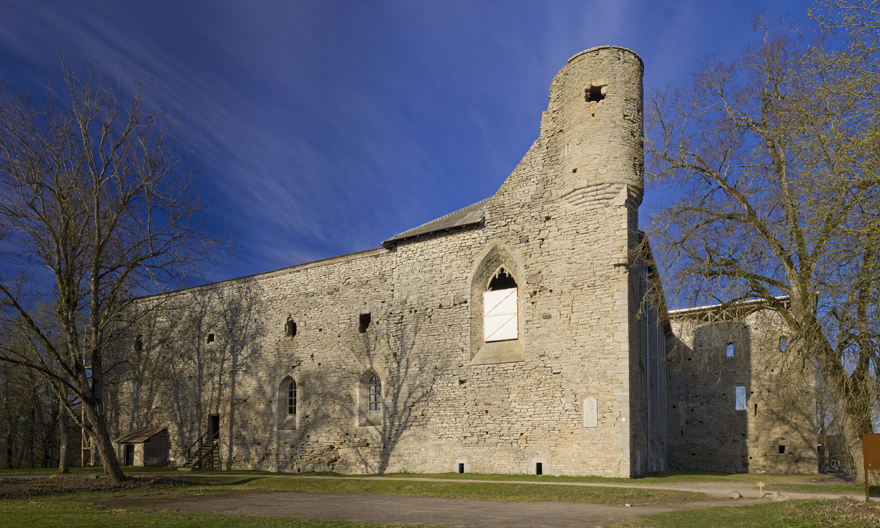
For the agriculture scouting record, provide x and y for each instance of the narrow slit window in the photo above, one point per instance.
(138, 344)
(730, 350)
(291, 398)
(364, 322)
(375, 393)
(740, 398)
(756, 409)
(290, 328)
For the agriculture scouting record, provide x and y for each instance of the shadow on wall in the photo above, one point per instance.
(191, 356)
(378, 397)
(738, 401)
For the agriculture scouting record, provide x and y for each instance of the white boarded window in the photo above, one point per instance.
(741, 398)
(499, 315)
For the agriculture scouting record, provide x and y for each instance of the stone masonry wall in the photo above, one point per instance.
(571, 393)
(775, 432)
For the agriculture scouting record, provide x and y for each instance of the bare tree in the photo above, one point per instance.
(775, 160)
(96, 208)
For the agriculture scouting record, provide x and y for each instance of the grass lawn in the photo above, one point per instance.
(458, 490)
(822, 483)
(795, 514)
(51, 513)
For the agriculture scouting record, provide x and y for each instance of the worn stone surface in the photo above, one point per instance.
(562, 225)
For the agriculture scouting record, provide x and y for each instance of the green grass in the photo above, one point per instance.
(822, 483)
(795, 514)
(459, 490)
(492, 491)
(64, 514)
(676, 477)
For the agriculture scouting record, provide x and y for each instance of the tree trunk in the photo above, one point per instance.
(63, 442)
(852, 423)
(101, 442)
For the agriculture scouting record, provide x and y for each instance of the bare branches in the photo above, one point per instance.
(776, 160)
(96, 208)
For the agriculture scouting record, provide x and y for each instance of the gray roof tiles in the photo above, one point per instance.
(468, 216)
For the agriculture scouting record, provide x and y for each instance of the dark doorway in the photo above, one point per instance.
(128, 456)
(539, 468)
(213, 426)
(460, 468)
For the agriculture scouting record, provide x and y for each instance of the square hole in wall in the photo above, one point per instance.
(210, 338)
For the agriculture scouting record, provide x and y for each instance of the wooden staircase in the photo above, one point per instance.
(204, 453)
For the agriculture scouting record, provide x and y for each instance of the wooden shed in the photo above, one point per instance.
(143, 447)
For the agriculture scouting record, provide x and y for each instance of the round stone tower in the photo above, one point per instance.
(594, 124)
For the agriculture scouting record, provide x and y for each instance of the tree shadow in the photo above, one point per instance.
(195, 347)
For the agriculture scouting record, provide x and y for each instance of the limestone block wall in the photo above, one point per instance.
(571, 395)
(774, 430)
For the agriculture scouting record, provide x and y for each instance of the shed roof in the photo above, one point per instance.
(470, 215)
(139, 436)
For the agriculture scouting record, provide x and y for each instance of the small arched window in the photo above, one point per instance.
(375, 393)
(291, 398)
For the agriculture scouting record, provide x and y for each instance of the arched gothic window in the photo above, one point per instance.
(289, 394)
(291, 398)
(375, 393)
(499, 308)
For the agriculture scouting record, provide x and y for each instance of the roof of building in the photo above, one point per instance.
(470, 215)
(139, 436)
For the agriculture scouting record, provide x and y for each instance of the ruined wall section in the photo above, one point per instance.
(774, 430)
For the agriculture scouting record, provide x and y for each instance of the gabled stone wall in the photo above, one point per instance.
(563, 224)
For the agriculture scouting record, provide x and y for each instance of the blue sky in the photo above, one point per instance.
(323, 128)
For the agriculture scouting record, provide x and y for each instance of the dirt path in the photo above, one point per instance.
(401, 509)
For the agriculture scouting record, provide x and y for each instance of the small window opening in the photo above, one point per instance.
(539, 468)
(502, 281)
(375, 393)
(740, 398)
(460, 468)
(783, 344)
(291, 398)
(290, 328)
(139, 343)
(210, 338)
(730, 350)
(782, 450)
(756, 409)
(364, 321)
(594, 94)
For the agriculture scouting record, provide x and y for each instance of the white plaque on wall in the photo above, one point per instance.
(591, 413)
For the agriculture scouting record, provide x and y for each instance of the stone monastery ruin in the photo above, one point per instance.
(515, 335)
